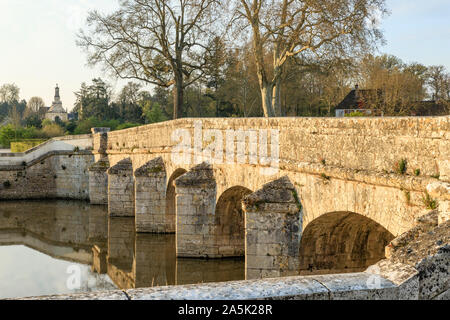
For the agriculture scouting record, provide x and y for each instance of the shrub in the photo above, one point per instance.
(400, 166)
(53, 130)
(127, 125)
(325, 177)
(356, 114)
(429, 202)
(417, 172)
(407, 196)
(24, 145)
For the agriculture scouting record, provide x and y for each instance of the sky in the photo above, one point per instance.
(38, 50)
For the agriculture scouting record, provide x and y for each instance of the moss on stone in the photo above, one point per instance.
(297, 199)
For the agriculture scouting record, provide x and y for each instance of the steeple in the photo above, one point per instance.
(57, 104)
(57, 92)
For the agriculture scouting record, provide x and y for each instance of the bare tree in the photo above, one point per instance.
(9, 93)
(35, 103)
(308, 29)
(160, 42)
(438, 80)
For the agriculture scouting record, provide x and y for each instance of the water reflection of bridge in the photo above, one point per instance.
(80, 233)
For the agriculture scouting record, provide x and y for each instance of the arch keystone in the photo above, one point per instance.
(273, 218)
(98, 181)
(150, 197)
(121, 189)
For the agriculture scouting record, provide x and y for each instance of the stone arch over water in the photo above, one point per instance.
(230, 221)
(339, 242)
(171, 213)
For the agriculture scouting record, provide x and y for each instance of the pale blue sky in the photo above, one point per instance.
(37, 41)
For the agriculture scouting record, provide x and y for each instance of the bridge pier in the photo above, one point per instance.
(121, 189)
(273, 229)
(150, 198)
(195, 207)
(98, 181)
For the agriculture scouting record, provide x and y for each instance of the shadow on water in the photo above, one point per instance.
(65, 233)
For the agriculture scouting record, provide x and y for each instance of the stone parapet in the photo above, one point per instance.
(273, 218)
(100, 139)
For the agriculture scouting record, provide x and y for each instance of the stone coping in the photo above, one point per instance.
(350, 286)
(41, 158)
(64, 138)
(279, 121)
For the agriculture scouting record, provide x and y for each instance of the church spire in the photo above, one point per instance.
(57, 92)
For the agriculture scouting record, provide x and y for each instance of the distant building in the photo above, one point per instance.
(359, 100)
(56, 111)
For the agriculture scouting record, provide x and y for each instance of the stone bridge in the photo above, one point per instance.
(317, 195)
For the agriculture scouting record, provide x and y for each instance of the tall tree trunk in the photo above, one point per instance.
(276, 97)
(266, 95)
(178, 94)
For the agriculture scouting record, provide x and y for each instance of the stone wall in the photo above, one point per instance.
(58, 175)
(57, 168)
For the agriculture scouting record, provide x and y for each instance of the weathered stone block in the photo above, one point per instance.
(121, 189)
(195, 207)
(150, 199)
(273, 232)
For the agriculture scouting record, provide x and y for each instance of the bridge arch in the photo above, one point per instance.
(230, 221)
(339, 242)
(171, 208)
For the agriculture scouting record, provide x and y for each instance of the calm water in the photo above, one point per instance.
(46, 247)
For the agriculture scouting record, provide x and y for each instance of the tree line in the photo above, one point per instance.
(255, 57)
(240, 58)
(231, 90)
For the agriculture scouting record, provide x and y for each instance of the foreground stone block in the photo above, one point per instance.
(121, 189)
(404, 276)
(429, 253)
(98, 181)
(289, 288)
(150, 198)
(272, 231)
(441, 191)
(195, 203)
(358, 286)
